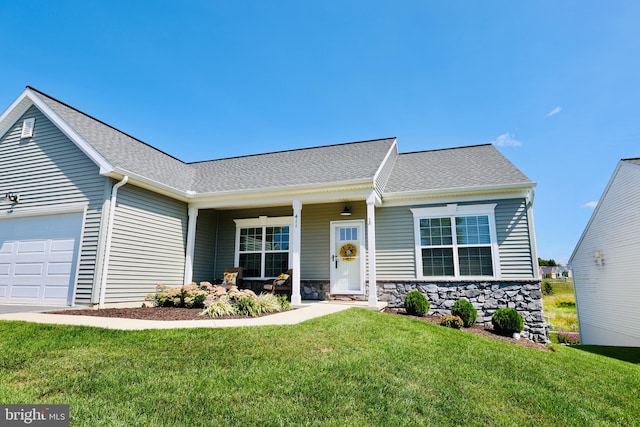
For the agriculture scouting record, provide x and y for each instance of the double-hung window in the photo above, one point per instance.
(456, 241)
(263, 246)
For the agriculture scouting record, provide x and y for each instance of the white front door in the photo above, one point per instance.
(347, 257)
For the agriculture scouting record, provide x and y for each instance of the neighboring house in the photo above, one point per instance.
(557, 272)
(102, 217)
(606, 271)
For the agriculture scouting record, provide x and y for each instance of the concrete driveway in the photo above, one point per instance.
(18, 308)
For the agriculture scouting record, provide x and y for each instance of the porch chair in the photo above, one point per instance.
(281, 284)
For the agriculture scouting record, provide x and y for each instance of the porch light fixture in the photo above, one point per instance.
(346, 211)
(12, 197)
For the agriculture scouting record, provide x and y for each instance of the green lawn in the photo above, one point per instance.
(352, 368)
(561, 306)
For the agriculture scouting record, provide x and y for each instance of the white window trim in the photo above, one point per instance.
(263, 222)
(452, 211)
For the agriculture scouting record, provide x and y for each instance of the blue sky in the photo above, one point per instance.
(555, 85)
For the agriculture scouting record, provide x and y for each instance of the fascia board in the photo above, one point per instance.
(392, 149)
(149, 184)
(471, 193)
(620, 164)
(14, 112)
(83, 145)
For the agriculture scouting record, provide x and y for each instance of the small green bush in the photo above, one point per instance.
(547, 288)
(451, 321)
(507, 321)
(247, 306)
(466, 311)
(416, 303)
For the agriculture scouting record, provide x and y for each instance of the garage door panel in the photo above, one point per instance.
(28, 269)
(31, 292)
(64, 246)
(32, 247)
(6, 248)
(38, 256)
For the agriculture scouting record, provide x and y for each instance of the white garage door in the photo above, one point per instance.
(38, 258)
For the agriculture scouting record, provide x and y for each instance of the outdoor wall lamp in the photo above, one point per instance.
(346, 211)
(12, 197)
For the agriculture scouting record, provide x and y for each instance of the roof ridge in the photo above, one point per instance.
(447, 149)
(104, 123)
(291, 150)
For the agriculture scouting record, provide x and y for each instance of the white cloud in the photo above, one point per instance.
(554, 111)
(592, 204)
(506, 140)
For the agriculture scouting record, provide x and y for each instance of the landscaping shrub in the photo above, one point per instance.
(547, 288)
(190, 296)
(416, 304)
(247, 306)
(507, 321)
(570, 338)
(219, 307)
(466, 311)
(451, 321)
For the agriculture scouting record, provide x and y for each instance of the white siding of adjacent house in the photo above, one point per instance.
(50, 172)
(608, 288)
(148, 245)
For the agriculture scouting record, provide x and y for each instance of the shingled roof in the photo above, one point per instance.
(462, 167)
(454, 168)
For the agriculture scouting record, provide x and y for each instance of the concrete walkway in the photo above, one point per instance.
(307, 310)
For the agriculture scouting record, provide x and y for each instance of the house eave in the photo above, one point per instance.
(309, 193)
(458, 194)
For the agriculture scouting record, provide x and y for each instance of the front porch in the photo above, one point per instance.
(307, 238)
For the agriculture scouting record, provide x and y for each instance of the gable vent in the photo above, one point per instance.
(27, 128)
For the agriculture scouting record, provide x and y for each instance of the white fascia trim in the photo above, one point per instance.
(150, 184)
(49, 210)
(83, 145)
(479, 193)
(14, 112)
(392, 149)
(264, 221)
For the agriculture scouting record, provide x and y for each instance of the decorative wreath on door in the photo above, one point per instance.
(348, 252)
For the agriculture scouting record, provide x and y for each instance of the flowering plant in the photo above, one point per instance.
(451, 321)
(569, 338)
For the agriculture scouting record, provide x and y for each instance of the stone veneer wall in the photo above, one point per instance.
(486, 297)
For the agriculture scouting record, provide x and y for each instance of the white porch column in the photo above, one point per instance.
(191, 243)
(371, 249)
(296, 299)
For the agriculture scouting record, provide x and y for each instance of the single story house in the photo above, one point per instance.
(93, 216)
(606, 272)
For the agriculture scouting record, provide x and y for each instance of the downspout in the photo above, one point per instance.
(532, 231)
(107, 250)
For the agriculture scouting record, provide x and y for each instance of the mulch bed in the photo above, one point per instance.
(175, 313)
(475, 329)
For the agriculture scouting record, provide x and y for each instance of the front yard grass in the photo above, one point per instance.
(352, 368)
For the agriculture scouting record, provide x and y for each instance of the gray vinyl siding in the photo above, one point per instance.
(316, 236)
(395, 241)
(205, 246)
(395, 244)
(514, 239)
(148, 245)
(49, 170)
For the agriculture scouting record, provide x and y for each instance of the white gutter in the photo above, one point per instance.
(107, 250)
